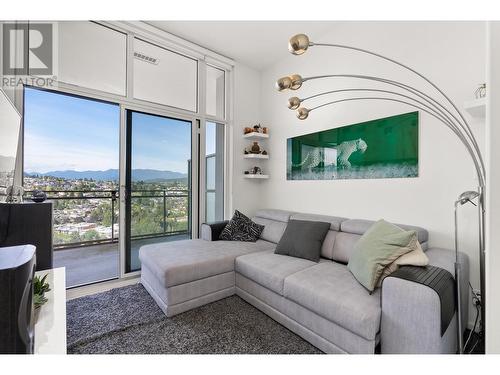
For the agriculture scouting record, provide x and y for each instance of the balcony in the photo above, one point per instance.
(86, 228)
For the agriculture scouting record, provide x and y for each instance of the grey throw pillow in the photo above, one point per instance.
(303, 239)
(241, 228)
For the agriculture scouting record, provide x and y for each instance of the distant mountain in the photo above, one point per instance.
(112, 175)
(7, 163)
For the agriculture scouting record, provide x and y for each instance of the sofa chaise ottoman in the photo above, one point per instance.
(182, 275)
(321, 302)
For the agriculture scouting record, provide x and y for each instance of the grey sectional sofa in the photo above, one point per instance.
(321, 302)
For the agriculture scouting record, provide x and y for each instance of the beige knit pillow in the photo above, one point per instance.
(416, 257)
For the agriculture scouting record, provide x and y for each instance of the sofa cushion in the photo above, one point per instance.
(328, 244)
(179, 262)
(273, 230)
(269, 269)
(275, 215)
(352, 230)
(330, 290)
(343, 246)
(333, 220)
(303, 239)
(274, 222)
(241, 228)
(359, 226)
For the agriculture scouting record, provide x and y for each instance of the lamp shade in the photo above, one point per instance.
(284, 83)
(298, 44)
(467, 196)
(293, 102)
(296, 81)
(302, 113)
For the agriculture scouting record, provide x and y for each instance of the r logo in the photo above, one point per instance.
(27, 49)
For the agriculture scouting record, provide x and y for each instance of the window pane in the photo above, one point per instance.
(211, 172)
(92, 56)
(214, 177)
(164, 77)
(159, 188)
(211, 207)
(71, 151)
(215, 92)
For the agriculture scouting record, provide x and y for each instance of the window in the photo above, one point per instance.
(215, 93)
(92, 56)
(164, 77)
(214, 167)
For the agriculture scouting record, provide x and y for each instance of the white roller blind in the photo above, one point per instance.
(92, 56)
(164, 77)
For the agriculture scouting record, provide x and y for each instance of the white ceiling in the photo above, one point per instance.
(257, 44)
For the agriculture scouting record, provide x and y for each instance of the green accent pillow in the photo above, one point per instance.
(381, 245)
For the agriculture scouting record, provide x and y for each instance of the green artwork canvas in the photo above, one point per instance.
(383, 148)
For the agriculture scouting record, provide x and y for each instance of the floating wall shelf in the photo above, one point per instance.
(255, 136)
(255, 156)
(476, 108)
(256, 176)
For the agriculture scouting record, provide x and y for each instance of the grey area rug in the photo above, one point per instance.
(127, 320)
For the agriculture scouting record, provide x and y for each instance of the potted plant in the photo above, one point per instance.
(40, 287)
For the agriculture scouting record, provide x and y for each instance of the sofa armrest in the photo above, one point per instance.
(212, 231)
(411, 312)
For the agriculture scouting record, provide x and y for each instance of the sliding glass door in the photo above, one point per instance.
(157, 182)
(71, 152)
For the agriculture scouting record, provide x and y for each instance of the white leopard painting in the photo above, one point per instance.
(381, 148)
(344, 151)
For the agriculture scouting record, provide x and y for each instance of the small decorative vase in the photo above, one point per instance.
(38, 196)
(255, 148)
(264, 130)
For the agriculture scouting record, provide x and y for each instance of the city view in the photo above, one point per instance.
(86, 209)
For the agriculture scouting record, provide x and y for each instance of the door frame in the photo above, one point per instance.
(125, 159)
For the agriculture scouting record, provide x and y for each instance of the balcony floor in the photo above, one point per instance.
(89, 264)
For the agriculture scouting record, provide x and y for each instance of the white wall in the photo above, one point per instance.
(452, 54)
(247, 195)
(493, 198)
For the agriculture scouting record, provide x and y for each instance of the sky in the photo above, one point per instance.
(68, 133)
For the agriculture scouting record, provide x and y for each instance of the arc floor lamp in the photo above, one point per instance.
(439, 106)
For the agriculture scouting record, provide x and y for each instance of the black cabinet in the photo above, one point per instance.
(28, 224)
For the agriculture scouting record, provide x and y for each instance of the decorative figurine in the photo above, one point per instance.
(480, 91)
(255, 148)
